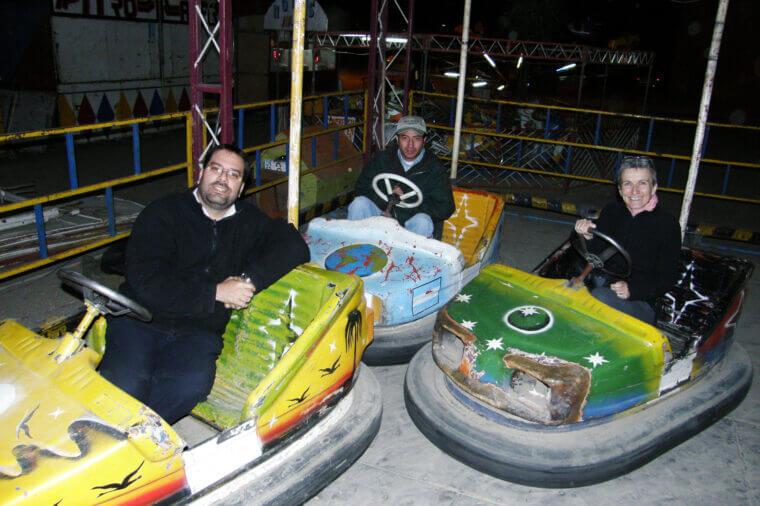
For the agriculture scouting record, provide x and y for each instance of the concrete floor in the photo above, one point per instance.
(718, 466)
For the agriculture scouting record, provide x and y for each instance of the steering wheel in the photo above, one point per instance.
(106, 300)
(387, 177)
(598, 261)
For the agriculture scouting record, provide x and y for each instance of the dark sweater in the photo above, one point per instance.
(176, 255)
(429, 175)
(652, 238)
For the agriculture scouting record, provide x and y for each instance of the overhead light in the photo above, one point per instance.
(566, 67)
(519, 61)
(479, 84)
(396, 40)
(451, 74)
(363, 36)
(501, 87)
(489, 60)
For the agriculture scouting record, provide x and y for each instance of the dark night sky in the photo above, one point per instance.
(678, 31)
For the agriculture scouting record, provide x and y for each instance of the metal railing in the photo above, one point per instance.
(536, 145)
(333, 108)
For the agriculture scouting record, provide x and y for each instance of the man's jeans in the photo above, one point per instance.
(362, 207)
(168, 368)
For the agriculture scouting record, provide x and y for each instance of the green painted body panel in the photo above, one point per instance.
(256, 337)
(510, 310)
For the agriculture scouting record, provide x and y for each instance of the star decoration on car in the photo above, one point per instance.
(463, 297)
(596, 359)
(529, 310)
(272, 421)
(495, 344)
(469, 325)
(698, 297)
(332, 346)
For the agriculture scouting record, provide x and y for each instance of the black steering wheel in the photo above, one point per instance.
(386, 178)
(598, 261)
(106, 300)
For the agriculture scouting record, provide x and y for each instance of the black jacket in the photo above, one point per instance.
(176, 255)
(429, 174)
(652, 238)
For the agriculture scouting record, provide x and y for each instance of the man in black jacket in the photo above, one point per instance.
(192, 257)
(650, 234)
(409, 159)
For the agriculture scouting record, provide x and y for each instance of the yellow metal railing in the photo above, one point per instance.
(492, 133)
(75, 190)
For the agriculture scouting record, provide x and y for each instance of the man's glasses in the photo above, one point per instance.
(218, 170)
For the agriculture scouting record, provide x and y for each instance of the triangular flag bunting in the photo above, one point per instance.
(171, 102)
(105, 112)
(86, 114)
(140, 110)
(184, 101)
(123, 111)
(156, 105)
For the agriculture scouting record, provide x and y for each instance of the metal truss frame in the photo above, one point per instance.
(379, 42)
(202, 38)
(504, 48)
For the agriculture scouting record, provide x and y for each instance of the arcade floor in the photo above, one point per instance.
(719, 466)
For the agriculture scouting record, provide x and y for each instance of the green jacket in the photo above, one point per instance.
(429, 174)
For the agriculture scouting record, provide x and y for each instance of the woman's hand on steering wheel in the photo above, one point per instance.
(584, 227)
(598, 261)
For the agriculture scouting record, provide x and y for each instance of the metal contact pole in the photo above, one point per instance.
(296, 94)
(460, 88)
(408, 57)
(704, 109)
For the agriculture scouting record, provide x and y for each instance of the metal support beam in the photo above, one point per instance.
(202, 39)
(370, 145)
(704, 110)
(496, 48)
(378, 83)
(296, 94)
(408, 57)
(460, 88)
(581, 78)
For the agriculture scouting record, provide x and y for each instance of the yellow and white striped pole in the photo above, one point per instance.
(296, 95)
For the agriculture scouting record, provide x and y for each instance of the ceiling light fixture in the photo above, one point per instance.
(566, 67)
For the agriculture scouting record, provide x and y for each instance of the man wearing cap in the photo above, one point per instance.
(649, 233)
(408, 158)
